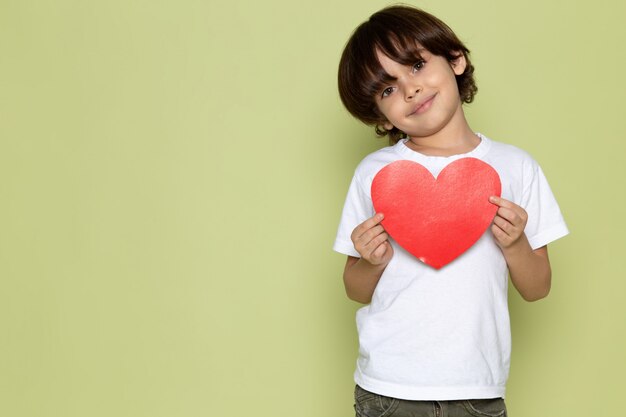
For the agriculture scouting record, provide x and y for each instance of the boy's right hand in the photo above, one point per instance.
(372, 242)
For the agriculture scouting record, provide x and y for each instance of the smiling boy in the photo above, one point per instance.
(434, 339)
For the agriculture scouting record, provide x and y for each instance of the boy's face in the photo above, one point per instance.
(424, 97)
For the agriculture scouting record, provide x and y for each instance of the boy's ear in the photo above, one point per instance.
(383, 126)
(459, 64)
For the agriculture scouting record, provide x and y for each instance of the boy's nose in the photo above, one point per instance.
(411, 93)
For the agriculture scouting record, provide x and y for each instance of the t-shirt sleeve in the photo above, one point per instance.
(357, 208)
(545, 222)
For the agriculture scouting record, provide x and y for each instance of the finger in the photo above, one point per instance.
(364, 242)
(370, 247)
(515, 217)
(501, 202)
(507, 204)
(503, 224)
(507, 214)
(370, 234)
(500, 236)
(372, 250)
(377, 241)
(365, 246)
(380, 252)
(366, 225)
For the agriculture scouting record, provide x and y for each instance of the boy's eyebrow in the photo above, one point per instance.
(384, 79)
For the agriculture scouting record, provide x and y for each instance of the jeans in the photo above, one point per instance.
(368, 404)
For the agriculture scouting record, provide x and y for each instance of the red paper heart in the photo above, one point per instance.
(436, 220)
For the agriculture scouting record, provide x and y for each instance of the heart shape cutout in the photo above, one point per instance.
(436, 219)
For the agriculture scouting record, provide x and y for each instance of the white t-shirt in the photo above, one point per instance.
(444, 334)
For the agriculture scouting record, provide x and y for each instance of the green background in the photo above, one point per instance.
(171, 179)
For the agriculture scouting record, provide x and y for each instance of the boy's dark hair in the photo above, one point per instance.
(398, 32)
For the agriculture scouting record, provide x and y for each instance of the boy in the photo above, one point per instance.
(434, 341)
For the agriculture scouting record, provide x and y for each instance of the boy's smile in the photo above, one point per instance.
(423, 99)
(423, 105)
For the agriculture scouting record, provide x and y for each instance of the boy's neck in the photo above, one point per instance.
(455, 139)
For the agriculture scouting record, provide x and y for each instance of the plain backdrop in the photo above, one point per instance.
(171, 179)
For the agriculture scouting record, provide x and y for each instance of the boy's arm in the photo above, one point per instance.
(360, 279)
(361, 275)
(529, 269)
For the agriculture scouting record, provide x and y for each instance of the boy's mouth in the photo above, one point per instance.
(422, 106)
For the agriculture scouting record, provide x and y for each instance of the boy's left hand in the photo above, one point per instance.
(509, 222)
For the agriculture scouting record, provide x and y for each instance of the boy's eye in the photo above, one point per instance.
(418, 65)
(387, 91)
